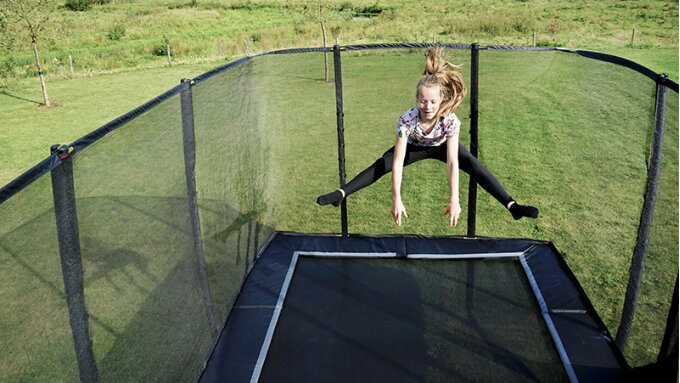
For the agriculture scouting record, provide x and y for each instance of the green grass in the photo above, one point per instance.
(218, 28)
(84, 104)
(90, 101)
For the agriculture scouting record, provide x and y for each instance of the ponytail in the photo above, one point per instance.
(441, 73)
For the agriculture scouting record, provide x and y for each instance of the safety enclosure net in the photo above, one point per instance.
(161, 213)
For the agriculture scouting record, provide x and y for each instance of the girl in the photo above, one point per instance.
(431, 131)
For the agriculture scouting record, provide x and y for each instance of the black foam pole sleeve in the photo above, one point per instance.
(189, 144)
(337, 64)
(72, 263)
(669, 344)
(638, 262)
(474, 137)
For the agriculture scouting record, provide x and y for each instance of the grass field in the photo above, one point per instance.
(126, 33)
(91, 101)
(561, 132)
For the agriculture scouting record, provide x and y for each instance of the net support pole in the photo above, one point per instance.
(341, 133)
(474, 137)
(72, 263)
(669, 345)
(189, 144)
(638, 261)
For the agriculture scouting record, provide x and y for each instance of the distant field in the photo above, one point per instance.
(132, 34)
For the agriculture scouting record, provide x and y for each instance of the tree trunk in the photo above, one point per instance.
(34, 43)
(325, 54)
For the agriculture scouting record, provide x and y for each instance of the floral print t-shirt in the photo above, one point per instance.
(408, 125)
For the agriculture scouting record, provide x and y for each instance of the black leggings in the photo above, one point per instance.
(466, 162)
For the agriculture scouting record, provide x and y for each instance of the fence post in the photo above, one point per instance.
(341, 133)
(638, 262)
(189, 140)
(474, 137)
(72, 263)
(70, 63)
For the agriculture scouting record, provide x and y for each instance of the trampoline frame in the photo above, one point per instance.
(555, 288)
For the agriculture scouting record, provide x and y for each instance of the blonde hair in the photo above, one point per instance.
(441, 73)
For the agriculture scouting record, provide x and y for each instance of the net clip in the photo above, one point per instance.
(661, 78)
(63, 151)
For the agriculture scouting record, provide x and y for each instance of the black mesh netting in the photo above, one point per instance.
(661, 264)
(141, 271)
(560, 131)
(34, 329)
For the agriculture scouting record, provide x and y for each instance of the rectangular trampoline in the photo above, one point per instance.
(323, 308)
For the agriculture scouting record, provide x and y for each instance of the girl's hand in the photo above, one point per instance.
(453, 208)
(397, 210)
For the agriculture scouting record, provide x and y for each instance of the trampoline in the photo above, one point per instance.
(412, 309)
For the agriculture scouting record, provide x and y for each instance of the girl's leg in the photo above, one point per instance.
(469, 164)
(373, 173)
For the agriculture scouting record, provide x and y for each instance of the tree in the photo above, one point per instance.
(318, 12)
(31, 16)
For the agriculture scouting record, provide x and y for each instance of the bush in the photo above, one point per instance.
(7, 67)
(116, 32)
(78, 5)
(346, 6)
(83, 5)
(369, 11)
(162, 48)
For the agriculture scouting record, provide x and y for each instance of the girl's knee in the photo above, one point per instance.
(387, 166)
(469, 164)
(382, 165)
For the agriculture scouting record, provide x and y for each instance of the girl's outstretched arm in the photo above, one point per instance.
(397, 170)
(453, 207)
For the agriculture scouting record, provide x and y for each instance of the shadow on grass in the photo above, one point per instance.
(106, 261)
(143, 285)
(37, 275)
(315, 78)
(5, 93)
(147, 278)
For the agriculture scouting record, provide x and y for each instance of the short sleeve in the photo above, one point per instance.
(451, 125)
(403, 131)
(405, 124)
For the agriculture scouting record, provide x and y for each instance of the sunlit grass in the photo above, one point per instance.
(218, 28)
